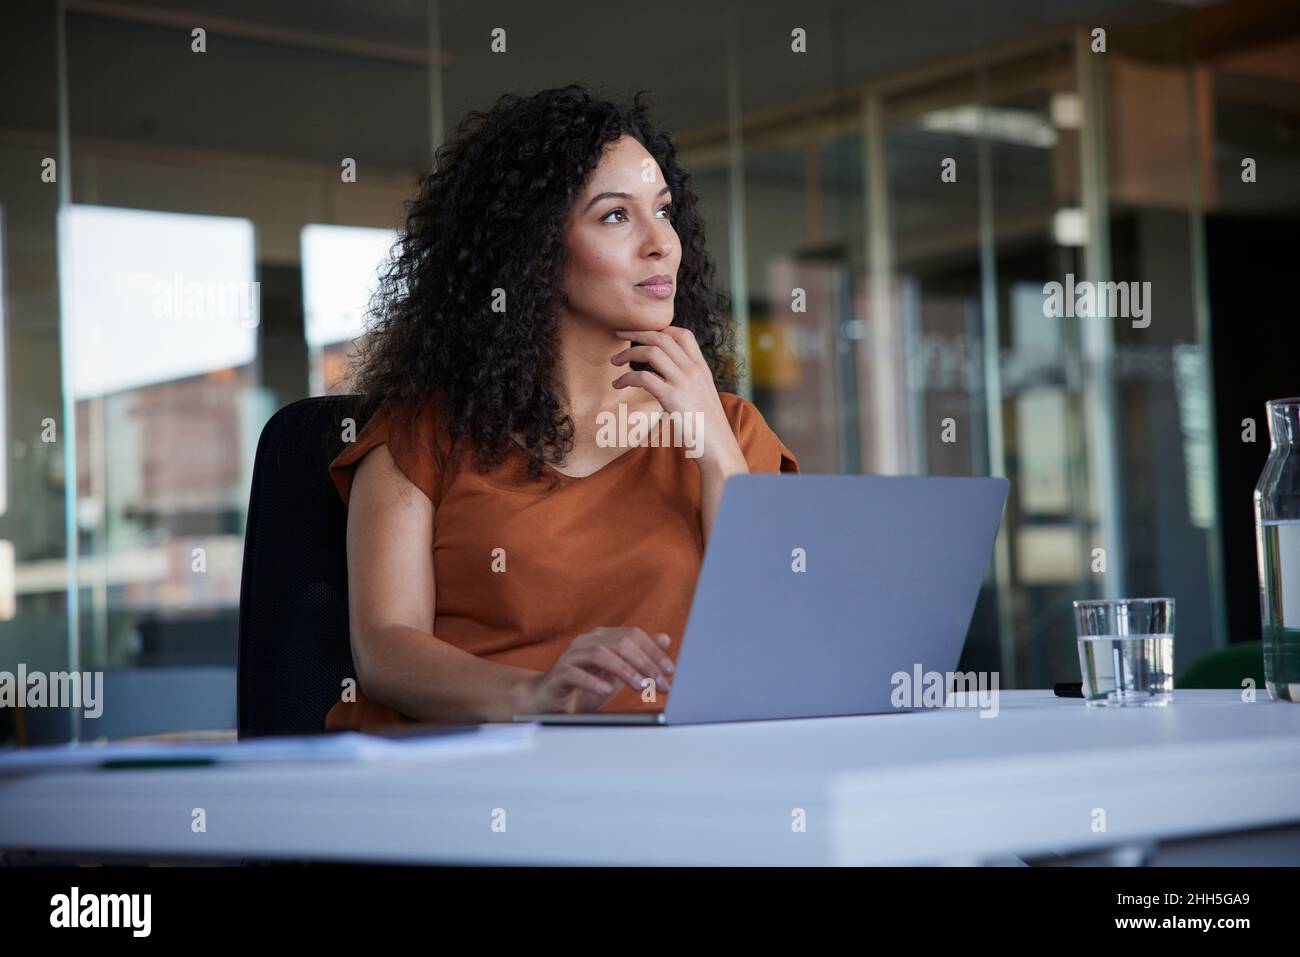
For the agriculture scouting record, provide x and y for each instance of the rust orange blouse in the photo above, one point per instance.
(619, 547)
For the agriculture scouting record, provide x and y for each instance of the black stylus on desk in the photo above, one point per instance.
(1068, 689)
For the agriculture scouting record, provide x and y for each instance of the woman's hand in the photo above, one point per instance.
(589, 671)
(683, 383)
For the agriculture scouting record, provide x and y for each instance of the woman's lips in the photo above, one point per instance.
(659, 290)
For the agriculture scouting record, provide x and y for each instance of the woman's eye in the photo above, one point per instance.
(666, 207)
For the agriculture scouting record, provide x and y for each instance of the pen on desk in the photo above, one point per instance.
(117, 764)
(1069, 689)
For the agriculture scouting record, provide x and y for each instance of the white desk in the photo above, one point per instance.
(925, 787)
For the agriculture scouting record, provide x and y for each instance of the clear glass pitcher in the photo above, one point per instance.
(1277, 542)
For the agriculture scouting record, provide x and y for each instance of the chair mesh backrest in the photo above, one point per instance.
(294, 650)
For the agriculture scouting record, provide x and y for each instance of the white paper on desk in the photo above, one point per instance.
(334, 748)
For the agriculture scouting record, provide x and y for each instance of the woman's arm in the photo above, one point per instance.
(391, 601)
(713, 474)
(684, 384)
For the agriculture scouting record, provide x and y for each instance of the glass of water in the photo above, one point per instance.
(1126, 651)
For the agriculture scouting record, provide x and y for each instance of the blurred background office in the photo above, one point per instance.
(140, 161)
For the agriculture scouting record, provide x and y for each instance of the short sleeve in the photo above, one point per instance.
(763, 450)
(412, 442)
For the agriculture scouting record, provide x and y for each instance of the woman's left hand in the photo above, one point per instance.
(684, 384)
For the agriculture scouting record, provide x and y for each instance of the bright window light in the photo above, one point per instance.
(1070, 227)
(340, 271)
(1022, 127)
(151, 297)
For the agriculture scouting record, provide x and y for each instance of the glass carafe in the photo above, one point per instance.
(1277, 542)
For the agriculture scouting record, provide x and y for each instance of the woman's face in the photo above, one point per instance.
(619, 236)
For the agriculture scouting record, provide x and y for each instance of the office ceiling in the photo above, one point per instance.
(305, 64)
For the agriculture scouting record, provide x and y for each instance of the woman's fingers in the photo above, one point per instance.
(662, 641)
(605, 657)
(653, 356)
(669, 343)
(686, 340)
(656, 386)
(580, 678)
(601, 656)
(676, 356)
(638, 649)
(630, 664)
(655, 646)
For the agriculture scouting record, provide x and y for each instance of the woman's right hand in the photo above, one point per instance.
(595, 664)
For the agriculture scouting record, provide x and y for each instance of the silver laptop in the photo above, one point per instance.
(817, 589)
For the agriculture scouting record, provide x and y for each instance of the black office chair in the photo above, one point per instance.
(294, 651)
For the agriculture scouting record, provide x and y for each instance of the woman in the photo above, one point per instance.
(509, 548)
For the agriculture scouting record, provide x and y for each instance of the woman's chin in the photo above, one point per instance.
(648, 321)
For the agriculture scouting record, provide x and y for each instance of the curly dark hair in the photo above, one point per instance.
(492, 213)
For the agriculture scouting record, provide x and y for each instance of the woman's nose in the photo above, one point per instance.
(661, 239)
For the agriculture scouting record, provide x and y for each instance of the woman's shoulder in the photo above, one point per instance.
(413, 429)
(740, 411)
(734, 404)
(762, 447)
